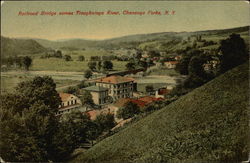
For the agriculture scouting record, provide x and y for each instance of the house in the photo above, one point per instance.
(171, 64)
(69, 103)
(210, 65)
(99, 94)
(118, 86)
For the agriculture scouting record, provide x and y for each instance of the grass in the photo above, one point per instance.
(208, 124)
(55, 64)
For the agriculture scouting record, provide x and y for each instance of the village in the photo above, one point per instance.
(113, 92)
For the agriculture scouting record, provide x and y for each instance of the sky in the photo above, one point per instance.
(188, 16)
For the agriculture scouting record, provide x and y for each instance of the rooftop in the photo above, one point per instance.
(121, 102)
(64, 96)
(95, 89)
(115, 79)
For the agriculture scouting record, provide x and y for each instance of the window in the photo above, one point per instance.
(75, 101)
(68, 103)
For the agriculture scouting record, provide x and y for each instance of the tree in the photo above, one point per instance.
(81, 58)
(128, 111)
(82, 84)
(149, 88)
(29, 122)
(72, 133)
(107, 65)
(153, 54)
(99, 65)
(143, 64)
(130, 66)
(58, 54)
(105, 121)
(27, 62)
(92, 65)
(233, 50)
(93, 131)
(68, 58)
(88, 74)
(71, 90)
(87, 98)
(182, 66)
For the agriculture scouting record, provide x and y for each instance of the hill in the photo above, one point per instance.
(208, 124)
(12, 47)
(135, 40)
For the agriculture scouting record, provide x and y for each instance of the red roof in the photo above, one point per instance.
(149, 99)
(141, 102)
(163, 91)
(115, 79)
(121, 102)
(138, 102)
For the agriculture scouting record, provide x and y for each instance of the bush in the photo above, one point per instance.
(128, 111)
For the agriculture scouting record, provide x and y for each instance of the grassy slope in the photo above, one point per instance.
(210, 123)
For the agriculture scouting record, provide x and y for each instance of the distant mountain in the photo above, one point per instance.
(133, 39)
(12, 47)
(70, 43)
(35, 45)
(209, 124)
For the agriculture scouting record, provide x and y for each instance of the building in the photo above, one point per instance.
(171, 64)
(69, 103)
(211, 65)
(118, 86)
(162, 92)
(99, 94)
(149, 99)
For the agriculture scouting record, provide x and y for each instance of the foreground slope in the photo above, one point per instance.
(210, 123)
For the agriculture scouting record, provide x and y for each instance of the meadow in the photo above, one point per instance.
(11, 80)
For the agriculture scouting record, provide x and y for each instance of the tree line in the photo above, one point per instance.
(20, 62)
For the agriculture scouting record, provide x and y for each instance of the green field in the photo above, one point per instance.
(56, 64)
(208, 124)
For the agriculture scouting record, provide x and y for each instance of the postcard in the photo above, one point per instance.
(124, 81)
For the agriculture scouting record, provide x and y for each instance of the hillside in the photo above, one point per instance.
(210, 123)
(12, 47)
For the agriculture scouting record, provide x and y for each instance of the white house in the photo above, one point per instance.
(69, 103)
